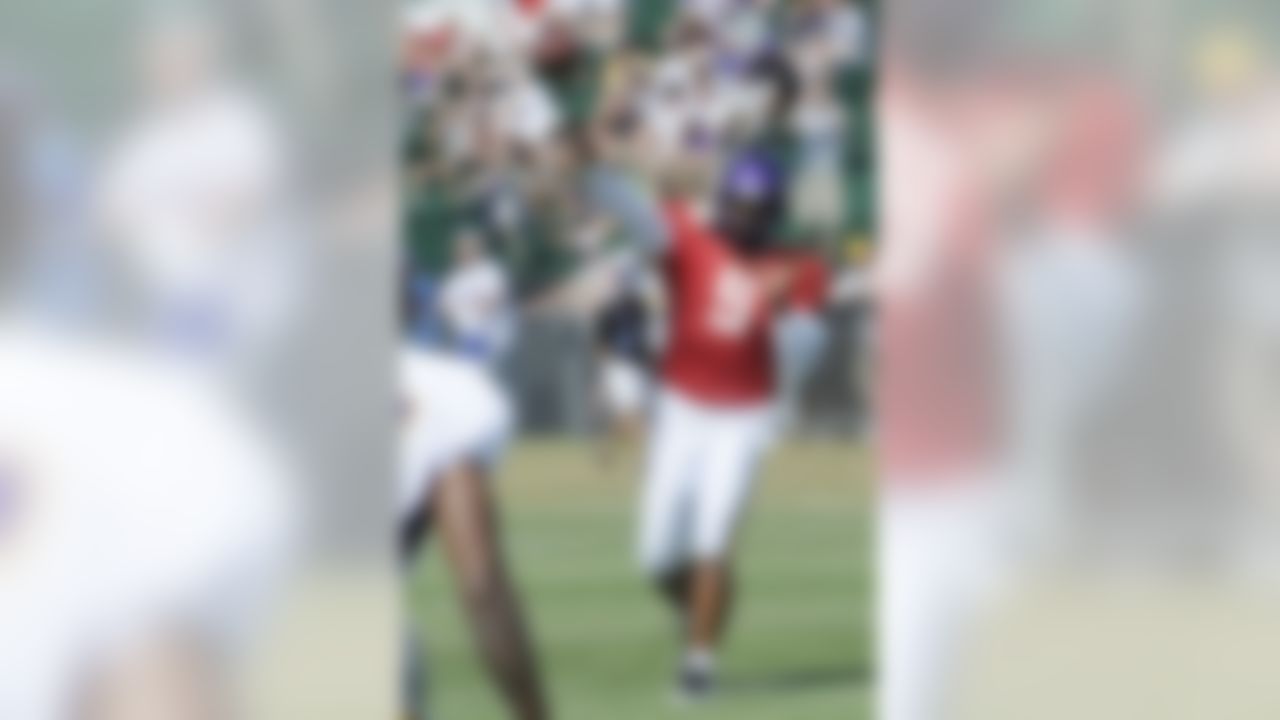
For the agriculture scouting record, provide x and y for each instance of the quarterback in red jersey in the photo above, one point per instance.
(744, 328)
(724, 302)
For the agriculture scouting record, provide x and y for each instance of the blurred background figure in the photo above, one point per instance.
(49, 249)
(1066, 449)
(194, 201)
(936, 394)
(147, 522)
(167, 486)
(475, 300)
(626, 341)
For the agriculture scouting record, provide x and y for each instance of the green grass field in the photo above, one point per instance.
(801, 647)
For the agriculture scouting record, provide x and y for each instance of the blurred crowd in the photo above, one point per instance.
(503, 95)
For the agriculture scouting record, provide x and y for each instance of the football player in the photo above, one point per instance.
(745, 329)
(624, 338)
(455, 422)
(144, 530)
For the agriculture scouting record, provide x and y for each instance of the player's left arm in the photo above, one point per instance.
(800, 335)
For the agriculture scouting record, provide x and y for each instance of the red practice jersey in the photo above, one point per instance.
(723, 303)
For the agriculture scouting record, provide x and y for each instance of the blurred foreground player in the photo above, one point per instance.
(144, 527)
(455, 422)
(744, 330)
(195, 205)
(940, 401)
(144, 522)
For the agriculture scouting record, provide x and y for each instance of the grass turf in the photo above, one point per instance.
(801, 644)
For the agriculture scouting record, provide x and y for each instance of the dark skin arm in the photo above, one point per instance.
(471, 538)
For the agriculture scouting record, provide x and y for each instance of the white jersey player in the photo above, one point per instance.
(476, 303)
(194, 200)
(450, 414)
(454, 424)
(143, 526)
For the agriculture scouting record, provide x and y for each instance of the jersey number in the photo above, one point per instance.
(733, 303)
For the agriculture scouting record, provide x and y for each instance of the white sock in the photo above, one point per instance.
(699, 659)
